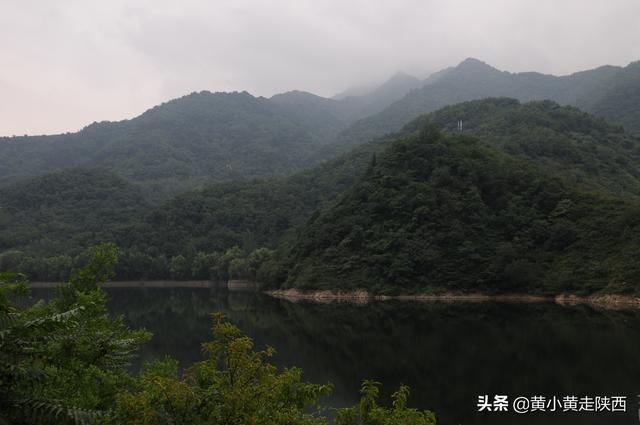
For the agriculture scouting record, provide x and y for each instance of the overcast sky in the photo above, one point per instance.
(67, 63)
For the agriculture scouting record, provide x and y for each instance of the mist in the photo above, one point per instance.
(65, 64)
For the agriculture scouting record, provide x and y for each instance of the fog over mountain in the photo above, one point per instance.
(68, 63)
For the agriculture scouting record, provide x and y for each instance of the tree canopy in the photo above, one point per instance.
(439, 212)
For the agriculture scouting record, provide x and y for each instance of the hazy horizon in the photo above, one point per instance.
(69, 63)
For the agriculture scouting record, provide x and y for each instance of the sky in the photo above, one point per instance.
(67, 63)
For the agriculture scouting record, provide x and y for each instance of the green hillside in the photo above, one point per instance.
(618, 99)
(249, 214)
(438, 212)
(563, 142)
(202, 137)
(65, 212)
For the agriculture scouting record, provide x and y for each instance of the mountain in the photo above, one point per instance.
(355, 91)
(562, 140)
(343, 110)
(441, 212)
(178, 145)
(610, 92)
(202, 138)
(395, 88)
(584, 151)
(618, 98)
(249, 213)
(320, 114)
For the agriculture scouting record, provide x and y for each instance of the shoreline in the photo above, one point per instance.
(605, 301)
(597, 300)
(138, 284)
(232, 285)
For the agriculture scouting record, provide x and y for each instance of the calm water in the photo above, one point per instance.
(447, 353)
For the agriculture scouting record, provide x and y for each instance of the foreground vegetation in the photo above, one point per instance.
(66, 361)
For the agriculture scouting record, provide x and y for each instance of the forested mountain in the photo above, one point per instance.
(561, 141)
(213, 137)
(170, 240)
(322, 114)
(248, 214)
(438, 212)
(610, 92)
(202, 137)
(617, 98)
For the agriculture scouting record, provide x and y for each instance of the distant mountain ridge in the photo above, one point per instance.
(349, 108)
(201, 138)
(609, 91)
(205, 137)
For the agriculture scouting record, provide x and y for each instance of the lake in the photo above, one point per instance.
(448, 353)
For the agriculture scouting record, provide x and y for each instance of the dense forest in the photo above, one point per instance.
(438, 212)
(222, 185)
(564, 141)
(230, 230)
(65, 211)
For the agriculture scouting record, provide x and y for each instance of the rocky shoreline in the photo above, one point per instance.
(605, 301)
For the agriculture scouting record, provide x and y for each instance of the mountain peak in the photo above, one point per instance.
(295, 95)
(474, 64)
(401, 77)
(399, 83)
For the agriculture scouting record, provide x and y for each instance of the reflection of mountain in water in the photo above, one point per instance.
(447, 353)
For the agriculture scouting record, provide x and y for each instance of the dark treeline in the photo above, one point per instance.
(233, 263)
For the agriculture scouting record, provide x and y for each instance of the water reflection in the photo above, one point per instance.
(447, 353)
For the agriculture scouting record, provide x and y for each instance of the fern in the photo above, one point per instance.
(38, 411)
(57, 318)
